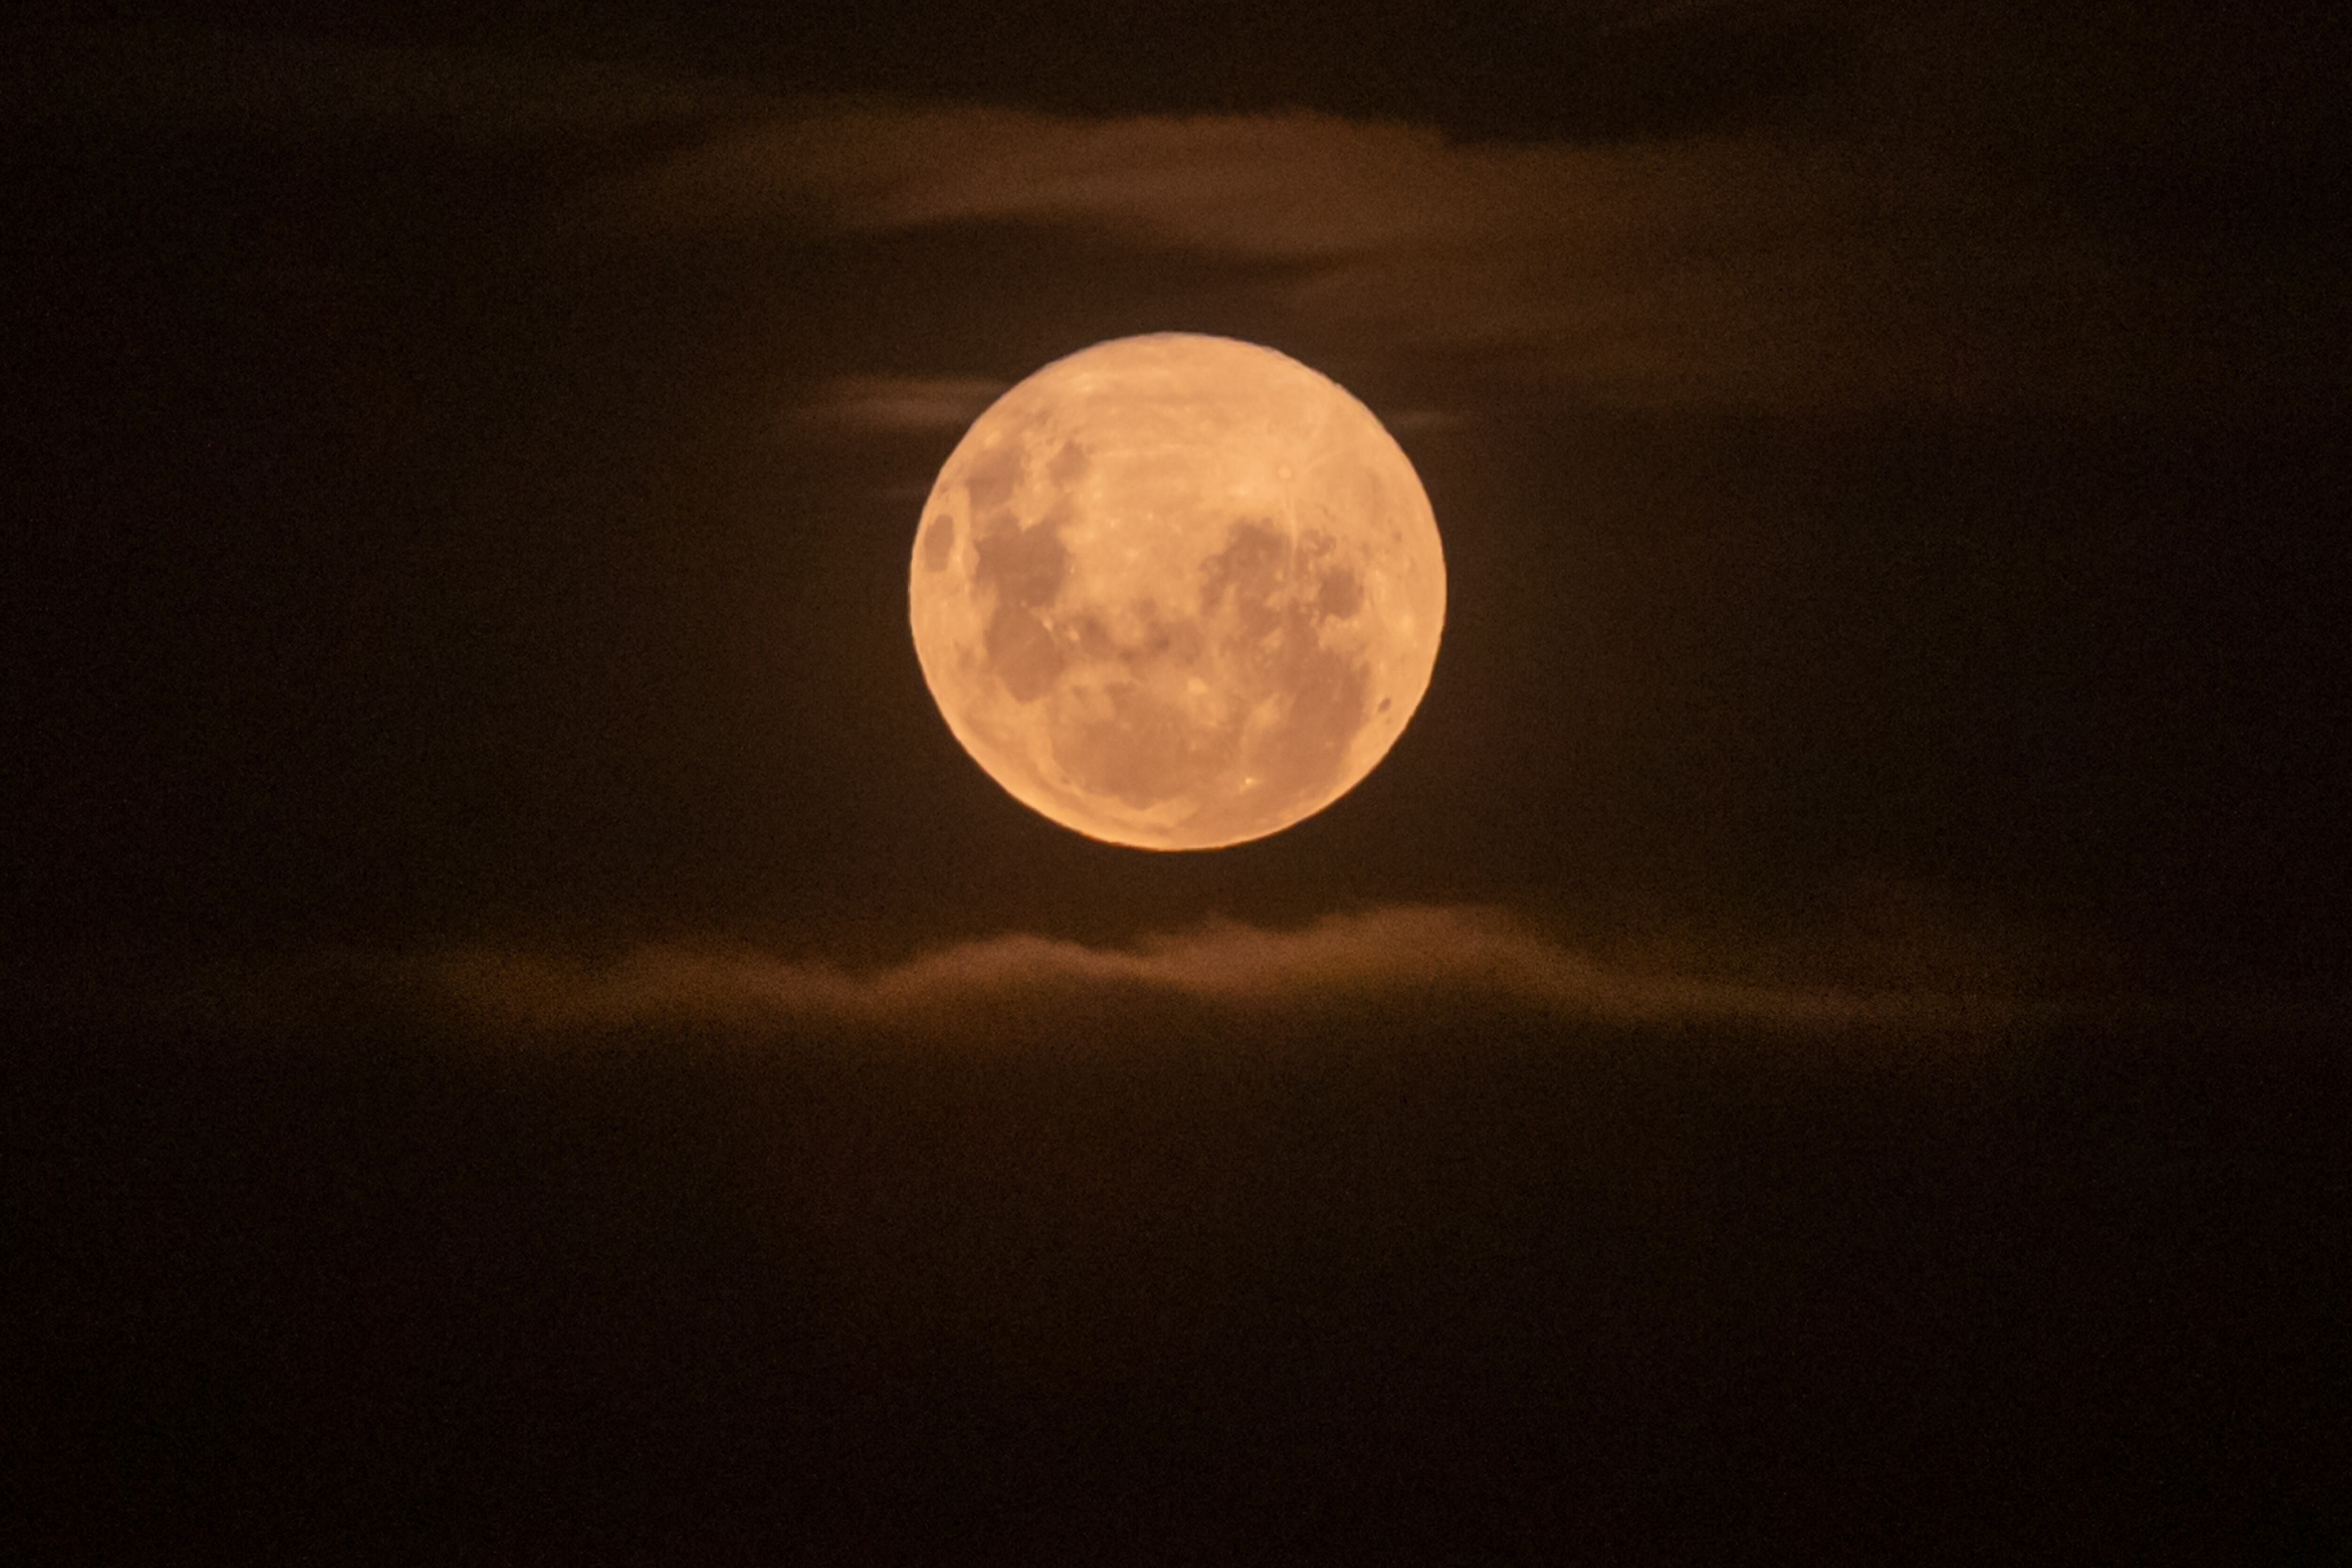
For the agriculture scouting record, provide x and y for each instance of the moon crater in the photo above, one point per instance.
(1177, 591)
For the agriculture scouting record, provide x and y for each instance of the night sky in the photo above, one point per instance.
(1822, 1040)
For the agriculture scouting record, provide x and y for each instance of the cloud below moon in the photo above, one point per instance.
(1406, 954)
(1901, 973)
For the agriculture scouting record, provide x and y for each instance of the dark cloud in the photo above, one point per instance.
(235, 83)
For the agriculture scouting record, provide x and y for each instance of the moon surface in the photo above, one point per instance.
(1177, 591)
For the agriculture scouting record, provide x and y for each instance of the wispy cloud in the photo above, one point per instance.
(1749, 270)
(1708, 270)
(900, 401)
(1404, 954)
(1423, 421)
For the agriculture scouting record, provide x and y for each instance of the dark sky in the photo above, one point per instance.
(527, 1041)
(461, 471)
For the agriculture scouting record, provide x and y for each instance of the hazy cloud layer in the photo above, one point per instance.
(1811, 268)
(1400, 955)
(1702, 269)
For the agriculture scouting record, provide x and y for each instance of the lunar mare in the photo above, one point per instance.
(1177, 591)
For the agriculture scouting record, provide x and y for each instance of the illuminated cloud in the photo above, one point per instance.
(1795, 270)
(1743, 270)
(1403, 955)
(901, 402)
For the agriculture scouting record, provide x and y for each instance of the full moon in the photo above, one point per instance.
(1177, 591)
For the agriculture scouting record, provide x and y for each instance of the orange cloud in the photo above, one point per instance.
(1403, 954)
(1708, 270)
(901, 402)
(1778, 272)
